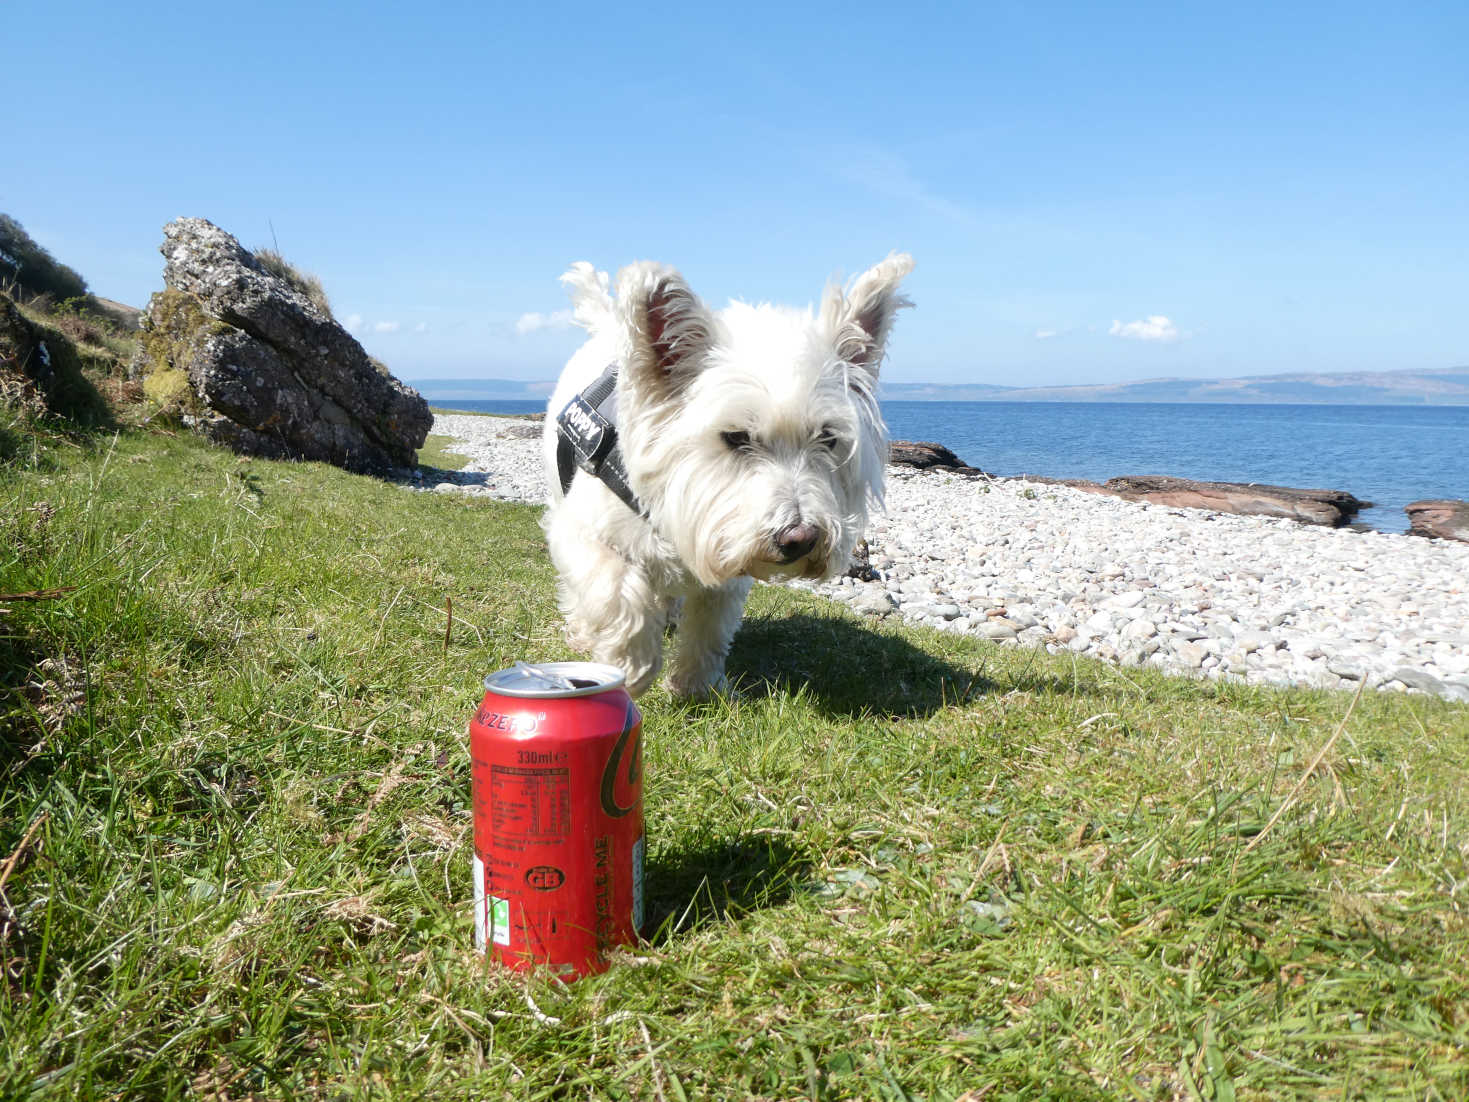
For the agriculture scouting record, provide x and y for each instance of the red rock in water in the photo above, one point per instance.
(1442, 518)
(1332, 508)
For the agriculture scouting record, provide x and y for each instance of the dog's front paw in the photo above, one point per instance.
(696, 689)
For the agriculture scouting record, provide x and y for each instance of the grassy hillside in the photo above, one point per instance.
(234, 835)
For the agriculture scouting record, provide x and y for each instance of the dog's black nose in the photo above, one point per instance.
(794, 541)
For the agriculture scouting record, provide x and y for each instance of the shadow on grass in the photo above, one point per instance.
(50, 362)
(427, 477)
(692, 887)
(847, 669)
(25, 690)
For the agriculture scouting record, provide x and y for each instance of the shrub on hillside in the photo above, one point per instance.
(28, 266)
(41, 371)
(104, 344)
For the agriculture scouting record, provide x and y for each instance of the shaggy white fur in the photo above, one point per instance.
(753, 440)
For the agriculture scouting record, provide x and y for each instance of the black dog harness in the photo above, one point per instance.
(586, 438)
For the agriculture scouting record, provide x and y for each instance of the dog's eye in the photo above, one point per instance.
(736, 441)
(828, 438)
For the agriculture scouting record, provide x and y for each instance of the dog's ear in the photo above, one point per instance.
(860, 318)
(669, 330)
(591, 304)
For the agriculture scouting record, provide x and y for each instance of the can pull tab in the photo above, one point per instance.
(546, 676)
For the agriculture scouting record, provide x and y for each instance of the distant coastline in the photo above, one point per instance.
(1439, 387)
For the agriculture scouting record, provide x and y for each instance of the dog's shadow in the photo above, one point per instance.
(730, 876)
(424, 477)
(845, 668)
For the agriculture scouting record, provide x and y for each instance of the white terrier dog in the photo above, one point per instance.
(689, 451)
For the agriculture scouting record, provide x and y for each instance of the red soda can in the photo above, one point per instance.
(558, 816)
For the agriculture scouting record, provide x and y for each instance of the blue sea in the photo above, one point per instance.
(1389, 455)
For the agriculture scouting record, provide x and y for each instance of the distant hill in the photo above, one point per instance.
(438, 391)
(1442, 386)
(1447, 386)
(129, 318)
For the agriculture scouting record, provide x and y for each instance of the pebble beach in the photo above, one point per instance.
(1194, 593)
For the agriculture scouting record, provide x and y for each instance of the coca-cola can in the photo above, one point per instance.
(558, 816)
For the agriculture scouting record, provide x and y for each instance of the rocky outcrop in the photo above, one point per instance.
(925, 455)
(1332, 508)
(256, 365)
(1442, 518)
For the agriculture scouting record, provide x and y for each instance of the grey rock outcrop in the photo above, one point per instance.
(258, 366)
(1441, 518)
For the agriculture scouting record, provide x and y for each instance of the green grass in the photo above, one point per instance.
(434, 454)
(234, 835)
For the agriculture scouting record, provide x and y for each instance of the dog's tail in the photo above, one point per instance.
(591, 302)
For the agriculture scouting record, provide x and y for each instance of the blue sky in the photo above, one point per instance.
(1092, 193)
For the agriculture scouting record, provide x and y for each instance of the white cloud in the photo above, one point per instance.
(1046, 334)
(530, 323)
(353, 322)
(421, 327)
(1155, 327)
(385, 327)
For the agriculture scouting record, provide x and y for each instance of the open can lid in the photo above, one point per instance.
(555, 680)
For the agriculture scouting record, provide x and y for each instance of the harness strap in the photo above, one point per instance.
(586, 439)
